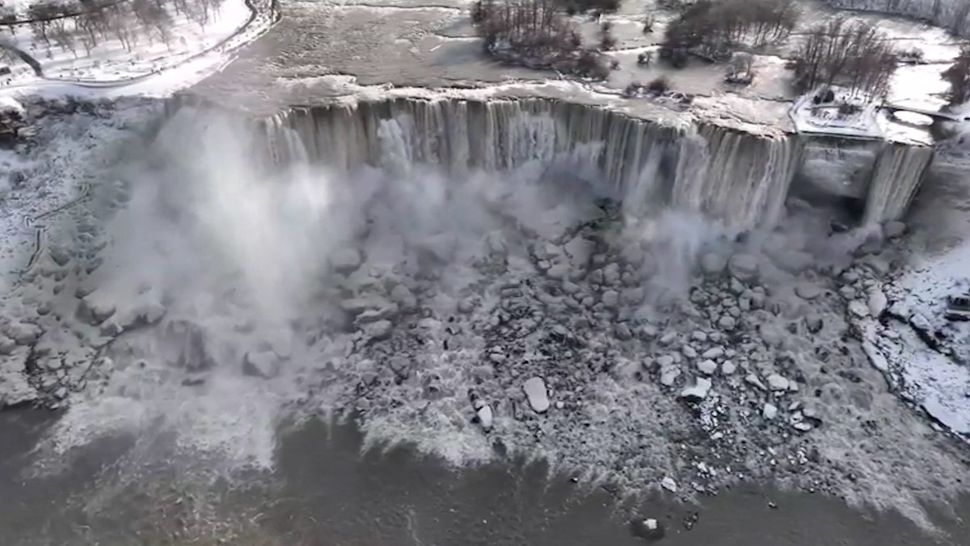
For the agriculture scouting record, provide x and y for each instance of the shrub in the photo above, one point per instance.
(847, 109)
(659, 86)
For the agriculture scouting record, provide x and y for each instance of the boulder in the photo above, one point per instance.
(858, 309)
(728, 367)
(707, 367)
(535, 392)
(713, 352)
(877, 302)
(263, 364)
(807, 291)
(648, 529)
(346, 260)
(378, 330)
(669, 375)
(93, 313)
(770, 411)
(611, 299)
(485, 418)
(698, 391)
(743, 266)
(713, 264)
(777, 382)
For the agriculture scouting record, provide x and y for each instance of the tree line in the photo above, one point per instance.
(537, 34)
(714, 28)
(84, 24)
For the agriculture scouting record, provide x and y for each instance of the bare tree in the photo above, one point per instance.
(856, 55)
(41, 15)
(713, 28)
(8, 18)
(958, 76)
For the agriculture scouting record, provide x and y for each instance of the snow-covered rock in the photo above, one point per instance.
(807, 291)
(877, 302)
(698, 391)
(485, 417)
(713, 263)
(346, 260)
(262, 364)
(707, 367)
(743, 266)
(778, 382)
(535, 392)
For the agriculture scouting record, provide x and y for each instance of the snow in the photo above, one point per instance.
(151, 68)
(824, 119)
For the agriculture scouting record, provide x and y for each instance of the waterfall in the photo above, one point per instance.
(737, 177)
(897, 174)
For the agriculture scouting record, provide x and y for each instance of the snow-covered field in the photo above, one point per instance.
(190, 47)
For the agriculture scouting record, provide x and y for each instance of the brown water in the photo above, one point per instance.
(326, 492)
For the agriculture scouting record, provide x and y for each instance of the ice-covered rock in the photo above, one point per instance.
(535, 392)
(807, 291)
(727, 323)
(92, 312)
(707, 367)
(698, 391)
(743, 266)
(877, 302)
(263, 364)
(669, 375)
(346, 260)
(485, 418)
(713, 352)
(753, 379)
(858, 309)
(777, 382)
(814, 323)
(378, 330)
(611, 299)
(713, 263)
(647, 529)
(579, 250)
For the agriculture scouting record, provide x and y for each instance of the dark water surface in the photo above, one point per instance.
(325, 492)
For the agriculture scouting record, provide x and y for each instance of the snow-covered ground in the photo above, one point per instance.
(192, 52)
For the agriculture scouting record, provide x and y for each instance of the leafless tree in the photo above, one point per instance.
(713, 28)
(8, 18)
(41, 14)
(855, 55)
(959, 22)
(958, 76)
